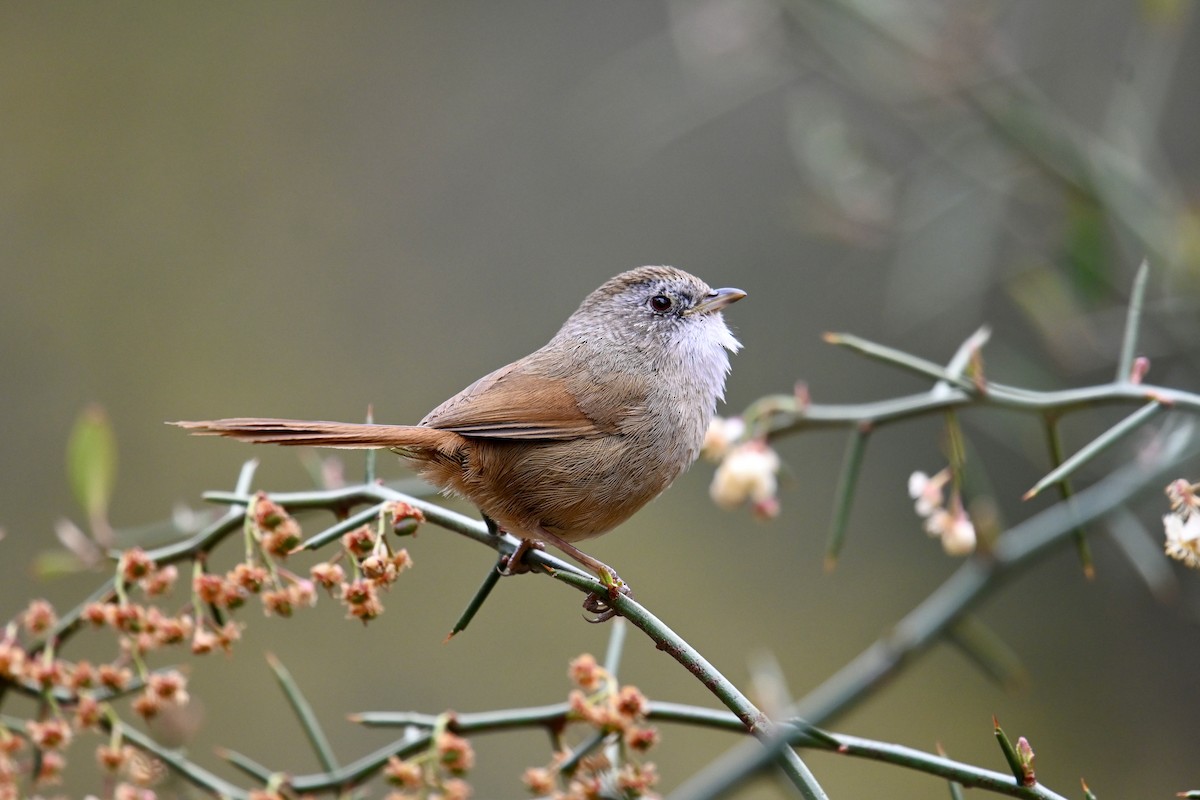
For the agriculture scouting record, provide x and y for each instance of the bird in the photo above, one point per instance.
(568, 442)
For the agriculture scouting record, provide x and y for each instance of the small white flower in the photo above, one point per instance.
(1182, 495)
(954, 528)
(746, 473)
(938, 521)
(927, 491)
(959, 539)
(720, 436)
(1183, 538)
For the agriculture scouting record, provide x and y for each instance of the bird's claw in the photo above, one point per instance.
(603, 607)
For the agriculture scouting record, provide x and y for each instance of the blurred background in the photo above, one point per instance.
(301, 209)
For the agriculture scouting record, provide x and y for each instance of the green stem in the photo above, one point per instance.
(856, 447)
(555, 716)
(1054, 440)
(1066, 466)
(304, 712)
(481, 594)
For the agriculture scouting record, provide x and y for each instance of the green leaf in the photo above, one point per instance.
(92, 461)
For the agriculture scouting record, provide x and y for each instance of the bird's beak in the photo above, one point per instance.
(716, 300)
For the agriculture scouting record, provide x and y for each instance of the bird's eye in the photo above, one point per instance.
(661, 303)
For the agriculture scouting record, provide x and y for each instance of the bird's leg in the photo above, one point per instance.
(492, 526)
(514, 563)
(607, 575)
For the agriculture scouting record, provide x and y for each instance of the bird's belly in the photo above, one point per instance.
(574, 489)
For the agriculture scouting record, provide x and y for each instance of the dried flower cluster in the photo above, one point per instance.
(747, 471)
(81, 694)
(949, 523)
(374, 564)
(436, 774)
(1182, 525)
(618, 712)
(271, 535)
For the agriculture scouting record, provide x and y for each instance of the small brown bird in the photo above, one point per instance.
(569, 441)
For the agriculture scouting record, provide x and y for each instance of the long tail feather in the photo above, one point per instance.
(314, 433)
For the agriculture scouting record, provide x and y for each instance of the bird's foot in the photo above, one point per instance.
(514, 563)
(602, 607)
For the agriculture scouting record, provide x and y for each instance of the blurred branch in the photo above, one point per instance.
(976, 579)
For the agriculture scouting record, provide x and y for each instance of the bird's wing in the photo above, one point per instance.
(513, 403)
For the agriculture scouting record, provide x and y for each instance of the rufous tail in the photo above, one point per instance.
(313, 433)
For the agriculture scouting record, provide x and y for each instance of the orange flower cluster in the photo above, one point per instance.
(616, 711)
(41, 744)
(375, 565)
(134, 613)
(272, 534)
(436, 774)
